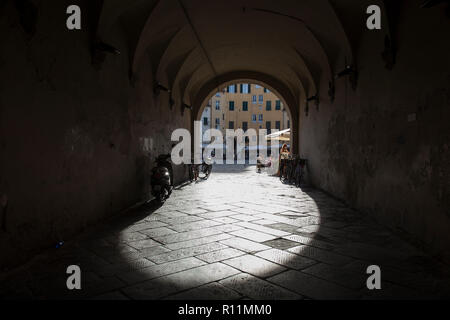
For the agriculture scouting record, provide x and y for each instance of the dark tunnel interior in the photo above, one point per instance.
(85, 112)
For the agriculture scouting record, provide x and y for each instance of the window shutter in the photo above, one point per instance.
(249, 88)
(242, 86)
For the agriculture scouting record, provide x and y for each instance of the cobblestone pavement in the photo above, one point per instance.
(238, 235)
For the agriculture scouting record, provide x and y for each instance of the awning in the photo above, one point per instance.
(283, 135)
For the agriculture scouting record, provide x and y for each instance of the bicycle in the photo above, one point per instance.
(202, 171)
(285, 170)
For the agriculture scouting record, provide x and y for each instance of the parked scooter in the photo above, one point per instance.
(162, 178)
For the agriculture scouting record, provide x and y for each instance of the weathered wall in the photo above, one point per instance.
(363, 149)
(74, 139)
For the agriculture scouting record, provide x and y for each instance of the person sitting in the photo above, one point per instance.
(284, 156)
(260, 163)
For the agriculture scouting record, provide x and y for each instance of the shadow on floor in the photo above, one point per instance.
(321, 252)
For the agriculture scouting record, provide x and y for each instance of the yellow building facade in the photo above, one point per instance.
(245, 106)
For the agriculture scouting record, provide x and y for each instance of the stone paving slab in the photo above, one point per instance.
(263, 229)
(210, 291)
(312, 287)
(156, 271)
(163, 231)
(339, 276)
(220, 255)
(281, 244)
(198, 241)
(286, 259)
(192, 278)
(320, 255)
(244, 244)
(258, 289)
(255, 266)
(253, 235)
(235, 236)
(187, 252)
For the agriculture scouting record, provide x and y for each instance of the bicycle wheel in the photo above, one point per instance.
(204, 171)
(191, 172)
(290, 174)
(282, 170)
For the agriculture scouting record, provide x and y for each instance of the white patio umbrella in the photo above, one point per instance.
(283, 135)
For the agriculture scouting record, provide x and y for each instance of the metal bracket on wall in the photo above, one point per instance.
(157, 88)
(426, 4)
(351, 72)
(185, 106)
(431, 3)
(314, 98)
(28, 15)
(99, 51)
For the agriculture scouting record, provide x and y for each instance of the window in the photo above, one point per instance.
(278, 105)
(231, 105)
(254, 99)
(217, 123)
(277, 125)
(257, 87)
(217, 104)
(231, 125)
(268, 105)
(218, 94)
(244, 125)
(266, 90)
(260, 99)
(244, 106)
(260, 117)
(254, 117)
(205, 121)
(268, 127)
(232, 88)
(245, 88)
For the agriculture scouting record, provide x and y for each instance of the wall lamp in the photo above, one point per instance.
(431, 3)
(99, 49)
(348, 71)
(157, 88)
(104, 47)
(314, 98)
(185, 106)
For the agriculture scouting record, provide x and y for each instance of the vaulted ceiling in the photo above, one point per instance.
(190, 43)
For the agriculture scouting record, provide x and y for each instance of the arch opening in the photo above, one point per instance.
(251, 107)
